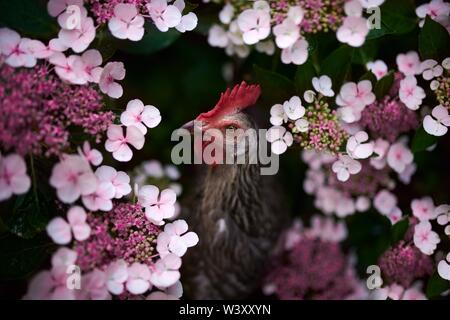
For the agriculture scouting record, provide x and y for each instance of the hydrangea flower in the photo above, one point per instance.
(16, 49)
(431, 69)
(378, 68)
(140, 116)
(323, 85)
(358, 147)
(279, 138)
(61, 231)
(72, 177)
(111, 72)
(13, 176)
(297, 53)
(286, 33)
(399, 157)
(91, 155)
(165, 272)
(437, 10)
(56, 7)
(408, 63)
(116, 276)
(158, 206)
(293, 108)
(410, 93)
(425, 239)
(254, 24)
(119, 180)
(78, 39)
(353, 98)
(438, 122)
(138, 281)
(163, 15)
(353, 31)
(423, 209)
(385, 202)
(443, 268)
(126, 23)
(175, 239)
(345, 166)
(117, 143)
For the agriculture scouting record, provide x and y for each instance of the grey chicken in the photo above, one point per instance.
(234, 212)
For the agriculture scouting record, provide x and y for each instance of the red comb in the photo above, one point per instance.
(233, 101)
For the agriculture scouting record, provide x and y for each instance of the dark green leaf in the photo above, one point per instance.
(105, 43)
(303, 77)
(20, 257)
(153, 41)
(29, 216)
(399, 229)
(276, 88)
(397, 17)
(422, 140)
(29, 17)
(434, 41)
(384, 85)
(436, 285)
(366, 53)
(337, 65)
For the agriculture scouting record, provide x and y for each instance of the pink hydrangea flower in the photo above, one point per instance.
(71, 18)
(16, 49)
(423, 209)
(279, 138)
(408, 63)
(188, 21)
(358, 146)
(138, 281)
(353, 31)
(286, 33)
(323, 85)
(111, 72)
(175, 239)
(116, 276)
(385, 202)
(13, 176)
(438, 122)
(56, 7)
(79, 39)
(91, 155)
(158, 206)
(297, 53)
(163, 15)
(165, 271)
(378, 68)
(140, 116)
(92, 60)
(437, 10)
(410, 93)
(69, 69)
(117, 143)
(425, 239)
(254, 24)
(93, 286)
(356, 95)
(72, 177)
(443, 268)
(101, 198)
(399, 157)
(126, 23)
(345, 166)
(119, 180)
(61, 231)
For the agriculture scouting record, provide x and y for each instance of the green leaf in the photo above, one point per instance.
(303, 76)
(337, 65)
(105, 43)
(399, 229)
(366, 53)
(383, 85)
(275, 88)
(20, 257)
(29, 17)
(30, 215)
(153, 41)
(434, 41)
(422, 140)
(397, 17)
(436, 285)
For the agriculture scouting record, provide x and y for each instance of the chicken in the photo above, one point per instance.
(234, 212)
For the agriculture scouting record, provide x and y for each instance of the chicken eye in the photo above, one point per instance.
(231, 127)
